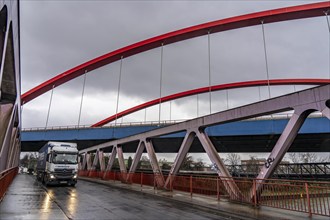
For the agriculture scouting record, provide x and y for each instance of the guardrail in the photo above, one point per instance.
(301, 196)
(286, 170)
(6, 177)
(124, 124)
(159, 123)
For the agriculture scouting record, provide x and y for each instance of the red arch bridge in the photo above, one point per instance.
(301, 104)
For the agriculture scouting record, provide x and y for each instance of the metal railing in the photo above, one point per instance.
(286, 170)
(301, 196)
(159, 123)
(124, 124)
(6, 177)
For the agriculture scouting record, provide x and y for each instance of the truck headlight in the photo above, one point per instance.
(75, 176)
(51, 176)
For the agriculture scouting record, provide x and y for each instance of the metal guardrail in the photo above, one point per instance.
(157, 123)
(6, 177)
(301, 196)
(287, 170)
(125, 124)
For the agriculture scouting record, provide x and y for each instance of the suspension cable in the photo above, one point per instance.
(328, 23)
(197, 105)
(327, 17)
(49, 106)
(160, 82)
(170, 111)
(118, 91)
(209, 59)
(227, 99)
(266, 59)
(267, 69)
(82, 98)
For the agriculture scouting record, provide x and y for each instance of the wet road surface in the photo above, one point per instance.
(28, 199)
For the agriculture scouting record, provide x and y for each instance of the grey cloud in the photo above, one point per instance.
(58, 35)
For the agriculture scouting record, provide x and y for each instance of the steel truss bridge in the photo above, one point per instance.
(301, 103)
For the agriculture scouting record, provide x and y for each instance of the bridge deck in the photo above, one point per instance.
(27, 199)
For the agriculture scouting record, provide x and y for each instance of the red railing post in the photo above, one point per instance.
(154, 182)
(191, 190)
(255, 192)
(308, 201)
(171, 184)
(218, 189)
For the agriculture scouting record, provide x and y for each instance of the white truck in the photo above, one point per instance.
(58, 163)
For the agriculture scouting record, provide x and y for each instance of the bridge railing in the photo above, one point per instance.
(158, 123)
(287, 170)
(122, 124)
(6, 177)
(310, 197)
(302, 196)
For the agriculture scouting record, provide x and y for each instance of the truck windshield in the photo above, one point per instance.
(65, 158)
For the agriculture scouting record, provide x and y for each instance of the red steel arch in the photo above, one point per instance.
(269, 16)
(236, 85)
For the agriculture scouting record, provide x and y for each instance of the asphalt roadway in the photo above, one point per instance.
(28, 199)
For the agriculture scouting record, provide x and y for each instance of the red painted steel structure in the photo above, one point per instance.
(6, 177)
(236, 85)
(269, 16)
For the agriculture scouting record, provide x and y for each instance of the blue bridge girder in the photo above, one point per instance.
(242, 136)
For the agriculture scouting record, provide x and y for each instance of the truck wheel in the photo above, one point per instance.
(73, 184)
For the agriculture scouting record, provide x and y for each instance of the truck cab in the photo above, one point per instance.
(58, 163)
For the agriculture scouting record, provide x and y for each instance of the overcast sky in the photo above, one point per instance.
(58, 35)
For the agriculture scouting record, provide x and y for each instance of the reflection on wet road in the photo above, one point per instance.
(27, 199)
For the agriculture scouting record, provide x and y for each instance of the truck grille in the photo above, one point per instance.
(63, 172)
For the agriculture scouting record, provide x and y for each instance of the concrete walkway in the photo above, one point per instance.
(235, 210)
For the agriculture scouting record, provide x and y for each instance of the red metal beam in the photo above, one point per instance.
(236, 85)
(270, 16)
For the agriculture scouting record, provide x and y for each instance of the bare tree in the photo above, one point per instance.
(310, 158)
(294, 157)
(306, 158)
(233, 159)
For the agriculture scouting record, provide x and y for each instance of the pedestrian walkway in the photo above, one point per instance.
(236, 210)
(28, 199)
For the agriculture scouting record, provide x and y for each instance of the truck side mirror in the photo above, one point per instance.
(48, 158)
